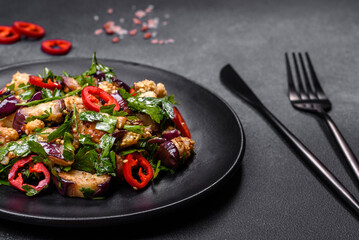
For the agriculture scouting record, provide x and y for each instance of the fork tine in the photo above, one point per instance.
(301, 89)
(306, 79)
(292, 92)
(317, 87)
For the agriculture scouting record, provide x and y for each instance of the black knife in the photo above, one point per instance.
(235, 83)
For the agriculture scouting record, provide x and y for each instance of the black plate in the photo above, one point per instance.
(219, 146)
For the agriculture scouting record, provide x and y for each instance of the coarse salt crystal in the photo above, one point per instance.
(170, 40)
(140, 14)
(109, 24)
(115, 40)
(152, 23)
(149, 8)
(96, 18)
(136, 21)
(98, 31)
(133, 32)
(147, 35)
(144, 27)
(119, 30)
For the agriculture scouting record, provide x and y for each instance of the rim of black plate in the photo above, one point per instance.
(129, 217)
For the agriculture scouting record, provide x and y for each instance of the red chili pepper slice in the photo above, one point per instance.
(8, 35)
(18, 182)
(180, 123)
(89, 94)
(56, 46)
(37, 81)
(135, 160)
(28, 29)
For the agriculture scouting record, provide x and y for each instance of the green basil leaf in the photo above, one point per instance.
(27, 94)
(69, 149)
(106, 143)
(91, 116)
(36, 148)
(108, 124)
(134, 128)
(59, 132)
(87, 192)
(85, 159)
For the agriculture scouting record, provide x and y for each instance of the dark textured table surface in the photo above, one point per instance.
(273, 195)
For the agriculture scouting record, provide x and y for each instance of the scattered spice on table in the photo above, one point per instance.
(143, 22)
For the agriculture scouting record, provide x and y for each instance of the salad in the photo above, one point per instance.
(86, 133)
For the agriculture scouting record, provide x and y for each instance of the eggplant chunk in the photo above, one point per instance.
(82, 184)
(129, 139)
(7, 121)
(147, 121)
(55, 107)
(173, 152)
(55, 153)
(184, 145)
(119, 165)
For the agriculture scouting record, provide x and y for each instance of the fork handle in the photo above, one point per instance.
(311, 160)
(349, 155)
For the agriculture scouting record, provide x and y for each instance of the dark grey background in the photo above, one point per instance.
(273, 196)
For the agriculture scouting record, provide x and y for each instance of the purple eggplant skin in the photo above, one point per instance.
(55, 153)
(171, 134)
(62, 185)
(156, 140)
(168, 154)
(19, 121)
(4, 93)
(119, 134)
(8, 106)
(121, 84)
(35, 97)
(122, 102)
(103, 189)
(71, 83)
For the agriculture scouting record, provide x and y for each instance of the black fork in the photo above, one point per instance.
(308, 95)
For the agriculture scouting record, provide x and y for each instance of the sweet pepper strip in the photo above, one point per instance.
(89, 98)
(8, 35)
(28, 29)
(135, 160)
(37, 81)
(18, 181)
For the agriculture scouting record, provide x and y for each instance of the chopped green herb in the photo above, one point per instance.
(134, 128)
(91, 116)
(87, 192)
(107, 124)
(43, 116)
(69, 150)
(65, 127)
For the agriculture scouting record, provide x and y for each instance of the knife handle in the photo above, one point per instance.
(311, 160)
